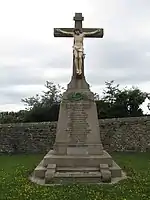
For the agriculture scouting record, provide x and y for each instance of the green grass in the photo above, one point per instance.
(14, 183)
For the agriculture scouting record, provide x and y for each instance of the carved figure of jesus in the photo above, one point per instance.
(78, 50)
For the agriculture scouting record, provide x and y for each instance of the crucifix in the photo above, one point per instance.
(78, 33)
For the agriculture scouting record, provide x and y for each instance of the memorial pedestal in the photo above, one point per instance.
(78, 154)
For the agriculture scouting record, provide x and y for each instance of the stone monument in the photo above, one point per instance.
(78, 154)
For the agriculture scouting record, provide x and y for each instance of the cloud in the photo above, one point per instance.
(124, 62)
(30, 55)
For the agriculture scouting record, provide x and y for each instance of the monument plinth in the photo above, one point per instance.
(78, 154)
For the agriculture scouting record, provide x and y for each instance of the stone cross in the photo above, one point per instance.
(78, 54)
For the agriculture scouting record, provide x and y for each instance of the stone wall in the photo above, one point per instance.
(126, 134)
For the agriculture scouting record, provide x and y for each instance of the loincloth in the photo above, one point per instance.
(78, 49)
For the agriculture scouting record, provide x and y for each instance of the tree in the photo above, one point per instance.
(32, 102)
(44, 107)
(130, 101)
(114, 103)
(42, 114)
(110, 92)
(12, 117)
(52, 95)
(120, 103)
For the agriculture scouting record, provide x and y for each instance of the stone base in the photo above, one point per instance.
(77, 160)
(78, 154)
(62, 169)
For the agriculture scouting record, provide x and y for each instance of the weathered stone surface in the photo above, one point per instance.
(27, 137)
(78, 124)
(106, 175)
(50, 173)
(122, 134)
(51, 166)
(77, 150)
(77, 169)
(76, 161)
(105, 172)
(77, 143)
(77, 177)
(66, 174)
(40, 172)
(104, 166)
(115, 170)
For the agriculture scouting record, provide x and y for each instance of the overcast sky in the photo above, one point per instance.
(30, 55)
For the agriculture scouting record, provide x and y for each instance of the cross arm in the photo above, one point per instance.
(63, 32)
(88, 32)
(93, 32)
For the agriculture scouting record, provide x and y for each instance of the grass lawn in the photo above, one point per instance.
(14, 183)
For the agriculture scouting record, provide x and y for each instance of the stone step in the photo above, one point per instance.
(77, 174)
(92, 177)
(40, 171)
(115, 170)
(77, 161)
(77, 169)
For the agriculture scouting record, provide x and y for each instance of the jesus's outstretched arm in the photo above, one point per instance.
(65, 32)
(93, 32)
